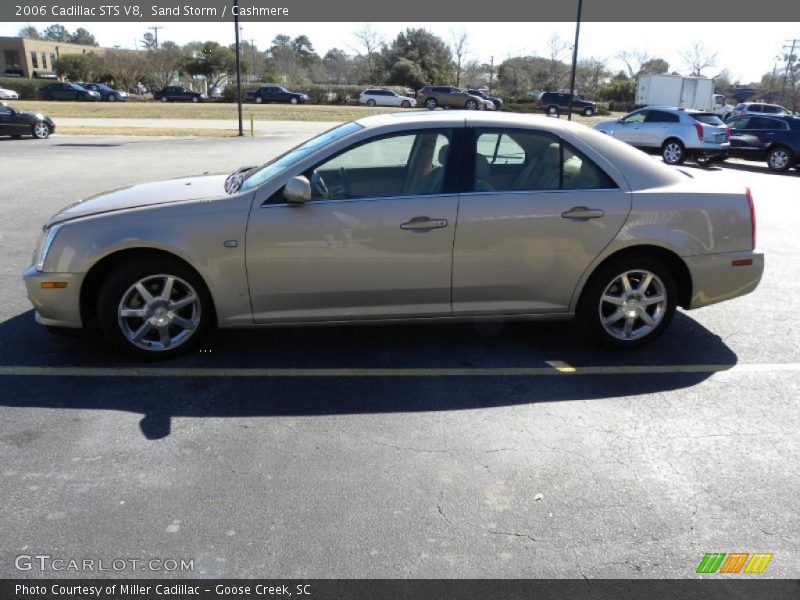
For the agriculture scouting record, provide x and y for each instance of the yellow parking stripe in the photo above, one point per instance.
(558, 369)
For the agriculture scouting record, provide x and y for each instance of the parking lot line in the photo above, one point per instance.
(558, 368)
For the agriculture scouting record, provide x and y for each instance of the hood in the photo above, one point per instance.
(145, 194)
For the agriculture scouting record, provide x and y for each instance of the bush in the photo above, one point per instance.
(318, 93)
(28, 89)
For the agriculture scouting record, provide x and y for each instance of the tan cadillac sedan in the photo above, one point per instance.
(400, 217)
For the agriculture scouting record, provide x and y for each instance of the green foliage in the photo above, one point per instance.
(26, 88)
(57, 33)
(211, 60)
(317, 93)
(430, 58)
(76, 67)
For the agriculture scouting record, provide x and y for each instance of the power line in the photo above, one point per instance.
(155, 31)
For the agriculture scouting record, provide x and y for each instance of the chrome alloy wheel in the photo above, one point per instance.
(778, 159)
(159, 312)
(673, 153)
(41, 130)
(633, 305)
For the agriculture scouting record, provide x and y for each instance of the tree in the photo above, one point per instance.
(148, 41)
(125, 68)
(57, 33)
(212, 61)
(338, 66)
(82, 36)
(589, 75)
(459, 49)
(654, 66)
(161, 65)
(426, 50)
(406, 73)
(369, 41)
(558, 69)
(75, 67)
(30, 32)
(696, 59)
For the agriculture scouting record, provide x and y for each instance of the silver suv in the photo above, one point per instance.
(676, 133)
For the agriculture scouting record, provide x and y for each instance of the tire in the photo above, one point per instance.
(370, 102)
(552, 110)
(112, 98)
(471, 105)
(293, 101)
(673, 152)
(40, 130)
(195, 99)
(167, 330)
(588, 111)
(597, 313)
(780, 159)
(431, 104)
(164, 99)
(259, 100)
(405, 104)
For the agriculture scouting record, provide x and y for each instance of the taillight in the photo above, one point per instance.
(727, 133)
(699, 127)
(752, 207)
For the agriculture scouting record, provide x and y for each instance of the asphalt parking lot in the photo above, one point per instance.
(395, 451)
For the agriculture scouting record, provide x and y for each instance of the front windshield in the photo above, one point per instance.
(268, 170)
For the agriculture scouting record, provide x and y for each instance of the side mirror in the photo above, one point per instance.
(297, 190)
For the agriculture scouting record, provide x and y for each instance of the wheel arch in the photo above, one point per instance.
(676, 265)
(94, 278)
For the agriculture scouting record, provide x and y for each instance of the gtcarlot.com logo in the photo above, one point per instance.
(734, 562)
(45, 562)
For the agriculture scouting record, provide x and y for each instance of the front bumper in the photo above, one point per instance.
(715, 278)
(59, 307)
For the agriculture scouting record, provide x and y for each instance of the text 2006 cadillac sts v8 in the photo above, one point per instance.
(396, 217)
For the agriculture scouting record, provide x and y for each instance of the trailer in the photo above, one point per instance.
(684, 92)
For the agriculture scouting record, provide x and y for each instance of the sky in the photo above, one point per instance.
(747, 50)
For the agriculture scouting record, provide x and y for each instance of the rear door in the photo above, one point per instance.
(529, 229)
(653, 131)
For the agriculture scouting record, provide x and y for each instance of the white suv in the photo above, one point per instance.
(676, 133)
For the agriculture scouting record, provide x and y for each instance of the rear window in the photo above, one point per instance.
(707, 118)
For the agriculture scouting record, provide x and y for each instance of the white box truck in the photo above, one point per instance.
(685, 92)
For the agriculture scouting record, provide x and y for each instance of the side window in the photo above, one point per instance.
(4, 110)
(740, 123)
(659, 116)
(580, 173)
(539, 168)
(399, 165)
(500, 149)
(637, 117)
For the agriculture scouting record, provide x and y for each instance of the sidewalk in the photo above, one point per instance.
(261, 127)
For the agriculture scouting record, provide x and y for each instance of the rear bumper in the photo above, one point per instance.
(715, 277)
(58, 307)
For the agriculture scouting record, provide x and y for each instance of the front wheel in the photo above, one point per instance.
(431, 104)
(471, 105)
(628, 302)
(154, 308)
(588, 111)
(293, 100)
(164, 99)
(41, 130)
(780, 159)
(259, 100)
(405, 104)
(673, 152)
(195, 99)
(552, 110)
(111, 98)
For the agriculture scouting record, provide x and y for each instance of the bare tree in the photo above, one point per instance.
(460, 43)
(556, 48)
(634, 61)
(697, 58)
(369, 42)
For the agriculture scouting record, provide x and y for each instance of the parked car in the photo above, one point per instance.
(774, 139)
(379, 220)
(556, 102)
(376, 97)
(756, 108)
(17, 123)
(497, 102)
(445, 96)
(67, 91)
(107, 93)
(275, 93)
(8, 94)
(179, 93)
(675, 133)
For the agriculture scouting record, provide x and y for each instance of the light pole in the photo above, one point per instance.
(238, 66)
(574, 59)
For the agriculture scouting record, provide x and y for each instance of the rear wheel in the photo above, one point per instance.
(628, 302)
(164, 99)
(259, 100)
(780, 158)
(371, 102)
(552, 110)
(673, 152)
(154, 308)
(195, 99)
(111, 98)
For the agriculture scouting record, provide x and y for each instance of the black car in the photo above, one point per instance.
(178, 93)
(275, 93)
(498, 102)
(107, 93)
(16, 123)
(67, 91)
(774, 139)
(555, 102)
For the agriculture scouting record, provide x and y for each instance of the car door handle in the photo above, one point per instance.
(582, 212)
(424, 224)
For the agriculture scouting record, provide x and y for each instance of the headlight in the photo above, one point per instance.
(44, 248)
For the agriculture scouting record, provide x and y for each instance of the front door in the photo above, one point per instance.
(540, 214)
(375, 241)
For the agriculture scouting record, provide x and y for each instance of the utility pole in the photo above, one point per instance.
(789, 61)
(155, 33)
(253, 61)
(574, 59)
(491, 72)
(238, 66)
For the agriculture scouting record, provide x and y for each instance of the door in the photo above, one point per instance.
(7, 126)
(375, 241)
(655, 128)
(531, 228)
(748, 141)
(629, 129)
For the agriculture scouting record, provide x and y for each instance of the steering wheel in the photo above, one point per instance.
(318, 187)
(345, 178)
